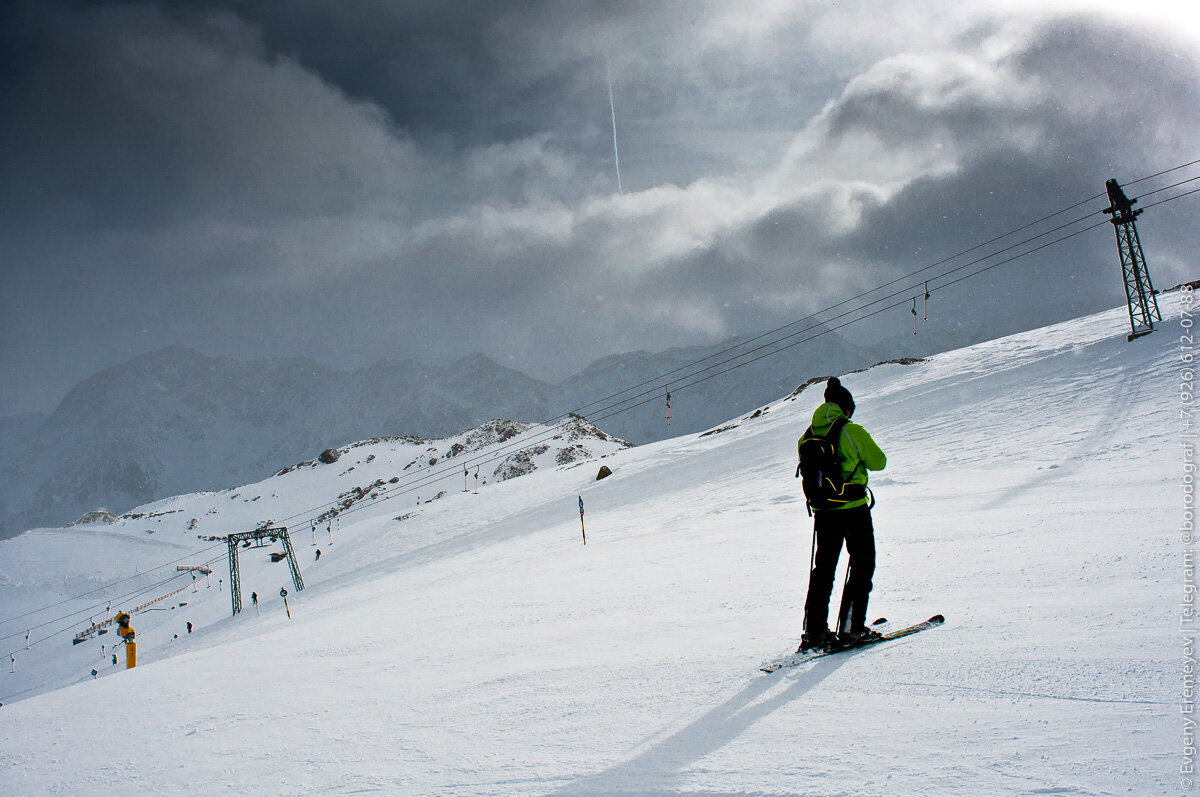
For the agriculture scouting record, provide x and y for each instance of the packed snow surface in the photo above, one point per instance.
(474, 645)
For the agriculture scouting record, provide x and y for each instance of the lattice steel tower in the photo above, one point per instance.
(1139, 291)
(260, 536)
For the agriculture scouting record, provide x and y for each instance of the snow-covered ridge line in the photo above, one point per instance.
(385, 467)
(816, 380)
(806, 384)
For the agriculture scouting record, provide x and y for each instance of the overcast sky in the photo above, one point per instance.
(351, 181)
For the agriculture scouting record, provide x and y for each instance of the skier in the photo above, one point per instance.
(318, 555)
(849, 523)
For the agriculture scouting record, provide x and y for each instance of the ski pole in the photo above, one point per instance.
(812, 561)
(844, 611)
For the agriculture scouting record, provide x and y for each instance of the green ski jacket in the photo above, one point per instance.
(859, 452)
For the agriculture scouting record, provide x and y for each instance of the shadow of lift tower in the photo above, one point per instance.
(1139, 291)
(263, 537)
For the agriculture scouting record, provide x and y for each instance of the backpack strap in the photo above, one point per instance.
(807, 434)
(849, 491)
(835, 429)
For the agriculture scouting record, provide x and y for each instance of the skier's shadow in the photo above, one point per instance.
(658, 769)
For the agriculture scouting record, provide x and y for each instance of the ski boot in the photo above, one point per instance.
(818, 640)
(862, 636)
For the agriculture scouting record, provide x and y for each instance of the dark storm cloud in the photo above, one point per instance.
(353, 181)
(940, 151)
(145, 120)
(1078, 102)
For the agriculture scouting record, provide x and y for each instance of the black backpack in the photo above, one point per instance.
(820, 470)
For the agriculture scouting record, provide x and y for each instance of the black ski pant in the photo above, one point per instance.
(833, 527)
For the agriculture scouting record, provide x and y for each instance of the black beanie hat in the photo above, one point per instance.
(834, 392)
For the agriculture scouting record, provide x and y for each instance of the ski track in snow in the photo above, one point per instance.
(477, 647)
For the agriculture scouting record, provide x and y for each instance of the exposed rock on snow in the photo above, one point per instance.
(576, 441)
(520, 463)
(96, 516)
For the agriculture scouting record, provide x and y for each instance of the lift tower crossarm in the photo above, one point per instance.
(271, 534)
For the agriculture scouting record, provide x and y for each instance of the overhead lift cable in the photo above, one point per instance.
(92, 609)
(648, 396)
(904, 301)
(111, 584)
(661, 377)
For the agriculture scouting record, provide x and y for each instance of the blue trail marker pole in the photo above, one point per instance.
(581, 526)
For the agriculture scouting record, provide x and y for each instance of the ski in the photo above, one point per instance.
(796, 659)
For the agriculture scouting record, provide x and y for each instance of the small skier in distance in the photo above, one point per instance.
(849, 523)
(318, 555)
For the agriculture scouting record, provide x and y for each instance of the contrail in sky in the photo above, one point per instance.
(613, 108)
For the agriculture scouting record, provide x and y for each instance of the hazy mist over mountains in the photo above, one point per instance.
(177, 421)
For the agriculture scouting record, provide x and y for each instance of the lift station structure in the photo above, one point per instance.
(262, 538)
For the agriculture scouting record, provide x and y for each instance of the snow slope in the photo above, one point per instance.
(1033, 495)
(47, 567)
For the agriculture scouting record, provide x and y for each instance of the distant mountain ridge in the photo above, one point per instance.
(177, 421)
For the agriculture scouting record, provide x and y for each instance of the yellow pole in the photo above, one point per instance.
(126, 632)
